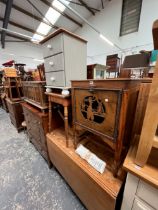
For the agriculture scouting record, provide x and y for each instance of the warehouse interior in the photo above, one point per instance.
(78, 104)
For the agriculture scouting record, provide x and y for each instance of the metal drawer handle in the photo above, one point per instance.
(51, 63)
(49, 46)
(52, 79)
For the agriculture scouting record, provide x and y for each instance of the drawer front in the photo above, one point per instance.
(98, 110)
(56, 79)
(140, 205)
(148, 193)
(54, 63)
(53, 46)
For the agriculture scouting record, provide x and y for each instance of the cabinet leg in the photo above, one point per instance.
(66, 124)
(50, 116)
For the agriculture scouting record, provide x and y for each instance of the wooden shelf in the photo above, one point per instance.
(149, 172)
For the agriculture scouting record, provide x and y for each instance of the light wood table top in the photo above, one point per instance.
(149, 172)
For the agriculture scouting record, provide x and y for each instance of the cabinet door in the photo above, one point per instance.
(98, 110)
(140, 205)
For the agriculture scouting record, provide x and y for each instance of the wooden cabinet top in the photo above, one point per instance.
(34, 110)
(61, 30)
(106, 83)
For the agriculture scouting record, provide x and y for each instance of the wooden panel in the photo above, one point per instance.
(54, 63)
(149, 124)
(96, 191)
(55, 78)
(141, 107)
(148, 193)
(75, 53)
(16, 113)
(129, 191)
(53, 46)
(37, 127)
(97, 110)
(139, 205)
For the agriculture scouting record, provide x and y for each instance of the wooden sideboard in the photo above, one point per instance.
(15, 113)
(106, 108)
(37, 128)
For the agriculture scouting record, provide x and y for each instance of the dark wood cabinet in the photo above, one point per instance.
(37, 128)
(106, 108)
(15, 113)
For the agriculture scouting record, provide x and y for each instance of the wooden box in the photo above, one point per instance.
(37, 127)
(15, 113)
(34, 93)
(106, 108)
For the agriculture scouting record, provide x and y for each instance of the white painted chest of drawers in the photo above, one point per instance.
(139, 195)
(65, 56)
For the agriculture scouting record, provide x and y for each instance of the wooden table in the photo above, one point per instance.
(63, 100)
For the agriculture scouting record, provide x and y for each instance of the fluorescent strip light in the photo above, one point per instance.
(38, 60)
(106, 40)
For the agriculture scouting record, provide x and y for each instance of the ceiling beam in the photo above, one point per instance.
(87, 7)
(23, 27)
(62, 13)
(6, 20)
(27, 13)
(16, 37)
(102, 4)
(42, 15)
(73, 2)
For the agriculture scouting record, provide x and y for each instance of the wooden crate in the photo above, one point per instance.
(10, 72)
(34, 93)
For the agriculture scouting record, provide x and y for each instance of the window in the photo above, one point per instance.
(131, 10)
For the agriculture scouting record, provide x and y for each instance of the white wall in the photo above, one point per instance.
(108, 23)
(21, 53)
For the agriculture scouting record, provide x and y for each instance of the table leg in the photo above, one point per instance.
(50, 116)
(66, 123)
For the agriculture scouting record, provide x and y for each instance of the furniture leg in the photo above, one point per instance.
(50, 115)
(66, 123)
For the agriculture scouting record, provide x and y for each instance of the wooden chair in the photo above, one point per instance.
(148, 137)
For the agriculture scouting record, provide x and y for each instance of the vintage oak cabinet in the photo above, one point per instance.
(106, 108)
(65, 57)
(37, 128)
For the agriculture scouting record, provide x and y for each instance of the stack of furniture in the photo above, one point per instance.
(113, 62)
(35, 110)
(14, 94)
(62, 64)
(135, 66)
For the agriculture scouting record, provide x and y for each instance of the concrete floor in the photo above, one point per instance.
(26, 182)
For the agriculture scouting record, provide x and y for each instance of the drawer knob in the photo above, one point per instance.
(52, 79)
(49, 46)
(51, 63)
